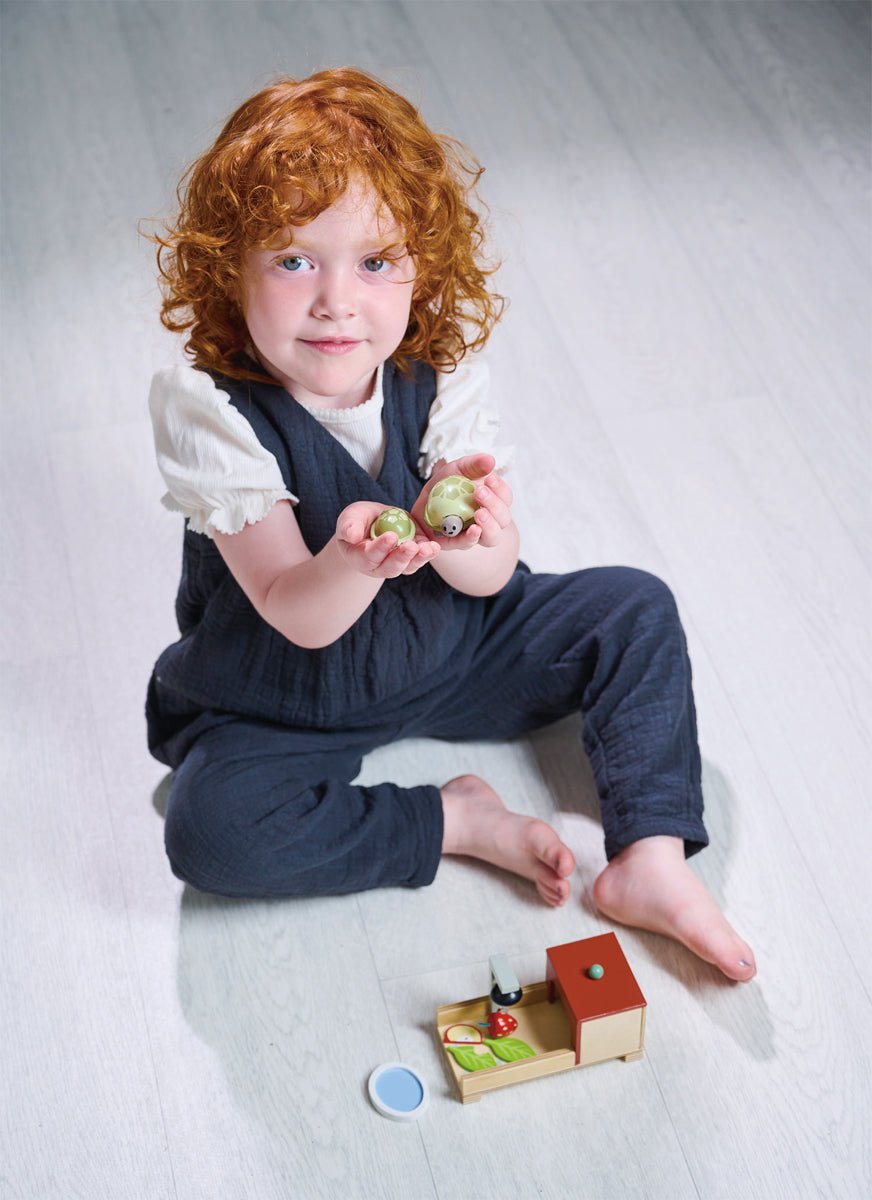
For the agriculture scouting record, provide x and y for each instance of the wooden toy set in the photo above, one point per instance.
(588, 1009)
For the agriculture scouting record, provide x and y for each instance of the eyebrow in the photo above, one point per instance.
(301, 244)
(368, 244)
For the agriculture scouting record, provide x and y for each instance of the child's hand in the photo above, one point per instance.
(381, 557)
(492, 494)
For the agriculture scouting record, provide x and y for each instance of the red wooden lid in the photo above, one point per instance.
(617, 991)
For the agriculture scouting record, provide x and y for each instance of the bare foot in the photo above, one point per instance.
(651, 886)
(479, 825)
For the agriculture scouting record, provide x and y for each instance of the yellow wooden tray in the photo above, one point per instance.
(543, 1026)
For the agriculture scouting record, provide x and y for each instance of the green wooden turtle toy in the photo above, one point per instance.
(393, 520)
(450, 506)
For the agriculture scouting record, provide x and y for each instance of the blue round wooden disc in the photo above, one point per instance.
(398, 1091)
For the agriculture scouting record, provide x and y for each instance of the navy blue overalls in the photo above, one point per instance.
(265, 737)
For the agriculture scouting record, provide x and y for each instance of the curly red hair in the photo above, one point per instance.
(287, 154)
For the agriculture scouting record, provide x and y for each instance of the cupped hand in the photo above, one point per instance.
(492, 494)
(381, 557)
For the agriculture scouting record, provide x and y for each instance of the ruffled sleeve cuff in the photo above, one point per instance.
(463, 420)
(235, 512)
(217, 473)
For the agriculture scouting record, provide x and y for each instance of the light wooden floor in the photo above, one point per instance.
(681, 192)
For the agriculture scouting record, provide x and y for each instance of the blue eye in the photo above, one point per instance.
(376, 266)
(294, 263)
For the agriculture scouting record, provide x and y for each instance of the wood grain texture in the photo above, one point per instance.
(679, 193)
(81, 1100)
(782, 59)
(792, 293)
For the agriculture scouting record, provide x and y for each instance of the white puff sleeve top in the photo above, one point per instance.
(221, 478)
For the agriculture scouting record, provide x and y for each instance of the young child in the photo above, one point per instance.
(326, 265)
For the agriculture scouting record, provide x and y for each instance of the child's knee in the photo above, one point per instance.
(211, 834)
(657, 596)
(647, 598)
(233, 832)
(193, 835)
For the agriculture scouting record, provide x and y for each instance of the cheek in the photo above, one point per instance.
(265, 311)
(247, 299)
(251, 314)
(401, 305)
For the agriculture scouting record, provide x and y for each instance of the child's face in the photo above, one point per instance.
(326, 308)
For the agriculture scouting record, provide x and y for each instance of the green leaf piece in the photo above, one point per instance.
(470, 1060)
(510, 1049)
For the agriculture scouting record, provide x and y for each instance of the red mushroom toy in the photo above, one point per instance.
(501, 1024)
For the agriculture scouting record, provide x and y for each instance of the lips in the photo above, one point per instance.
(332, 345)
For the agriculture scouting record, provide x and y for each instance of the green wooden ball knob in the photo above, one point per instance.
(450, 506)
(595, 972)
(393, 520)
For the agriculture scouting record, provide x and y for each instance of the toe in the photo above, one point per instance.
(741, 969)
(549, 849)
(565, 862)
(550, 895)
(553, 891)
(710, 935)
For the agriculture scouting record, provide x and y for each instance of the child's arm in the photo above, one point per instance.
(491, 542)
(313, 599)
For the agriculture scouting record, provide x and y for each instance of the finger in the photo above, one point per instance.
(489, 502)
(470, 537)
(428, 548)
(499, 487)
(397, 560)
(378, 548)
(488, 526)
(376, 551)
(426, 553)
(354, 531)
(355, 521)
(475, 466)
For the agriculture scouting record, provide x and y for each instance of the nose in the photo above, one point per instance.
(336, 297)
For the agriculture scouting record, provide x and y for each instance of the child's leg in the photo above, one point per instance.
(256, 810)
(609, 642)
